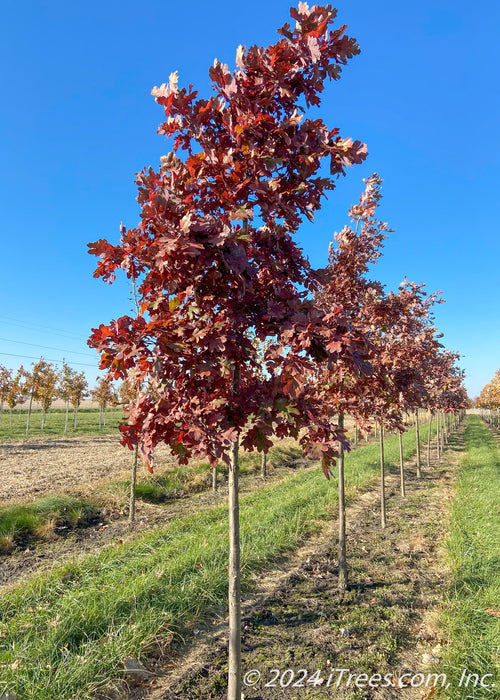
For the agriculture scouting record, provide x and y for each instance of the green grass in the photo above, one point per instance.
(470, 623)
(163, 486)
(66, 633)
(40, 518)
(87, 423)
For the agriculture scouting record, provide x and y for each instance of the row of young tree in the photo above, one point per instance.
(237, 339)
(45, 383)
(490, 394)
(489, 400)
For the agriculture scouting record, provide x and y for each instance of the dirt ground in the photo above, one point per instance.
(38, 466)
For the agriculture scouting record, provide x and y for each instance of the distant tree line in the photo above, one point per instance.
(45, 382)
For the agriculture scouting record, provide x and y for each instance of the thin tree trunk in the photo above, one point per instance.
(263, 466)
(429, 433)
(355, 434)
(438, 438)
(75, 416)
(383, 521)
(417, 433)
(1, 410)
(104, 416)
(29, 415)
(66, 421)
(214, 479)
(133, 483)
(10, 418)
(100, 419)
(43, 417)
(342, 584)
(401, 465)
(234, 589)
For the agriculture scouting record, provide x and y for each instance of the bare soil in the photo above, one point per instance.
(40, 466)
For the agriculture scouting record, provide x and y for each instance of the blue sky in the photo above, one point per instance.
(77, 121)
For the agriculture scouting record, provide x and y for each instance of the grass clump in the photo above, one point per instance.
(39, 519)
(471, 618)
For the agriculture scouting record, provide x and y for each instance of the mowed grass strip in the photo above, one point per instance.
(66, 633)
(471, 619)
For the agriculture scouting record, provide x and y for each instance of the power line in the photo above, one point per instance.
(49, 359)
(36, 326)
(47, 347)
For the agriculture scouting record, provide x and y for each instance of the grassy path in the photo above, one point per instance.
(471, 619)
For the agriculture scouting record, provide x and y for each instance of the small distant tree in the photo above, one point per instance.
(65, 389)
(104, 394)
(79, 391)
(33, 386)
(16, 391)
(489, 399)
(47, 391)
(5, 386)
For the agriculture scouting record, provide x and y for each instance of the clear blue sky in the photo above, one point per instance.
(77, 121)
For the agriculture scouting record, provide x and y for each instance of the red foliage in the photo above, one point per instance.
(392, 332)
(216, 260)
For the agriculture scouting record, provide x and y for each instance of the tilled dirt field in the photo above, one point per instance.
(37, 467)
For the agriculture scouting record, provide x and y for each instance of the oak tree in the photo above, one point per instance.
(215, 263)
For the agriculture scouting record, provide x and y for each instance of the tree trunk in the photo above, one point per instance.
(401, 465)
(29, 415)
(43, 417)
(263, 466)
(75, 416)
(429, 433)
(342, 584)
(417, 434)
(383, 521)
(66, 421)
(133, 482)
(438, 438)
(10, 418)
(234, 589)
(356, 434)
(214, 478)
(100, 419)
(1, 410)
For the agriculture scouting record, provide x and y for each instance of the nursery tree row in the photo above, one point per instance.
(45, 383)
(236, 338)
(489, 400)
